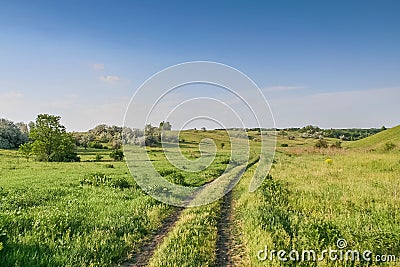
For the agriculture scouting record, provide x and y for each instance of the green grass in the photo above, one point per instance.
(309, 204)
(378, 141)
(47, 218)
(192, 241)
(93, 213)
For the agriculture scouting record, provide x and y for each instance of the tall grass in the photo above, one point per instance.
(309, 204)
(192, 241)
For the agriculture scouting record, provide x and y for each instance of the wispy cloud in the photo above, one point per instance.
(10, 96)
(110, 79)
(281, 88)
(98, 66)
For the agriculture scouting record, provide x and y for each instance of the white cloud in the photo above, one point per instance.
(98, 66)
(10, 96)
(66, 102)
(110, 79)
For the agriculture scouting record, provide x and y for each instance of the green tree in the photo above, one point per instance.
(50, 141)
(152, 135)
(11, 135)
(26, 150)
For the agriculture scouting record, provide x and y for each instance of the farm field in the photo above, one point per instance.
(92, 213)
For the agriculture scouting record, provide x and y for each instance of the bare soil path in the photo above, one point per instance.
(146, 251)
(223, 247)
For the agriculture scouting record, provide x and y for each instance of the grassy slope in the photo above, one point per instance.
(377, 141)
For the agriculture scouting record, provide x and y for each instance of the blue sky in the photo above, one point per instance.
(332, 64)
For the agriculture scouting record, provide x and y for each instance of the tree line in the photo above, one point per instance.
(48, 140)
(311, 131)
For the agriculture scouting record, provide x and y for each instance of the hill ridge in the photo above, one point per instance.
(378, 141)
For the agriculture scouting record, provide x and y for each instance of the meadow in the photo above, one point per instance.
(92, 213)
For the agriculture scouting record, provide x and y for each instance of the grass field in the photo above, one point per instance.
(94, 214)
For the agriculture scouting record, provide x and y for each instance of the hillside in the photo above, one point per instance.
(378, 141)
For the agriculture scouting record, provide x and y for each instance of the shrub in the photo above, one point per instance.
(166, 171)
(121, 183)
(321, 144)
(152, 140)
(177, 178)
(117, 155)
(98, 158)
(284, 145)
(389, 146)
(337, 145)
(97, 145)
(25, 150)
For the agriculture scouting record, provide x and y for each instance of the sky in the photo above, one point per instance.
(332, 64)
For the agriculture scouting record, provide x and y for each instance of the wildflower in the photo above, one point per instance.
(329, 161)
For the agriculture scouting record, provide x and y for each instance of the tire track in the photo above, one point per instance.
(226, 254)
(146, 251)
(224, 241)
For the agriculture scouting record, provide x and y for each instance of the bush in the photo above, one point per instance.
(337, 145)
(25, 150)
(321, 144)
(98, 158)
(117, 155)
(389, 146)
(166, 171)
(177, 178)
(121, 183)
(97, 145)
(152, 140)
